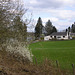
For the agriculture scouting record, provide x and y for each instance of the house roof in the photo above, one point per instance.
(72, 34)
(59, 34)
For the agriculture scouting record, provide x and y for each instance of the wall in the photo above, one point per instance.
(47, 38)
(60, 37)
(57, 37)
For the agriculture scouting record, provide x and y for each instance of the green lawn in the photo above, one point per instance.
(63, 51)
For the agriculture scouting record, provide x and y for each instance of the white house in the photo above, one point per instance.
(58, 36)
(72, 35)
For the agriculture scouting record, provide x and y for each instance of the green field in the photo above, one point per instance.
(63, 51)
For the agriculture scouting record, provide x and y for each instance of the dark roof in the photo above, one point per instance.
(72, 34)
(59, 34)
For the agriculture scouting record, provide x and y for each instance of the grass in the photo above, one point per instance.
(63, 51)
(11, 65)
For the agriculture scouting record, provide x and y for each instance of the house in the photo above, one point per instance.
(58, 36)
(72, 35)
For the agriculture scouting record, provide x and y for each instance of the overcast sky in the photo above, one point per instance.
(60, 12)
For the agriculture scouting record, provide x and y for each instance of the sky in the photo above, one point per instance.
(60, 12)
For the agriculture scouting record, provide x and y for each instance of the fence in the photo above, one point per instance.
(57, 65)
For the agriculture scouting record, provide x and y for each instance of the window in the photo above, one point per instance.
(59, 37)
(54, 36)
(63, 36)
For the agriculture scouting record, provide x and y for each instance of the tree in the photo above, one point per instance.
(13, 29)
(38, 28)
(4, 20)
(19, 29)
(48, 27)
(69, 29)
(54, 29)
(11, 13)
(73, 28)
(66, 30)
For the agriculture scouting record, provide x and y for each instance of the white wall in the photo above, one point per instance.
(57, 37)
(47, 38)
(61, 37)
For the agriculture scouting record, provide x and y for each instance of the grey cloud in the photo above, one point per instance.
(47, 4)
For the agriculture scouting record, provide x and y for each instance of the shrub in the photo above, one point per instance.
(19, 49)
(73, 37)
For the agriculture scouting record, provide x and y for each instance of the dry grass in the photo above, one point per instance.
(9, 65)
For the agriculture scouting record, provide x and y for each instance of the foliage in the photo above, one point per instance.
(13, 30)
(54, 29)
(38, 28)
(69, 29)
(73, 37)
(19, 49)
(50, 28)
(11, 24)
(4, 21)
(19, 29)
(73, 28)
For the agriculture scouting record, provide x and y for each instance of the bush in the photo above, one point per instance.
(73, 37)
(19, 49)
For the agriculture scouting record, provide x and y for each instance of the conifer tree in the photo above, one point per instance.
(48, 27)
(38, 28)
(54, 29)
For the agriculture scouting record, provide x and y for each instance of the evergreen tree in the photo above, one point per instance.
(54, 29)
(69, 29)
(66, 30)
(38, 28)
(48, 27)
(73, 28)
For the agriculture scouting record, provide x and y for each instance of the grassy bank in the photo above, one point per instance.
(9, 65)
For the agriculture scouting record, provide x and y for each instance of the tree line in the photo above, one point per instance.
(71, 29)
(44, 30)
